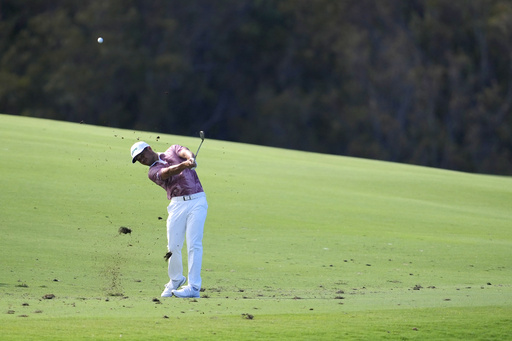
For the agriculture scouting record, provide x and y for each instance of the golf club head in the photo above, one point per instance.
(201, 135)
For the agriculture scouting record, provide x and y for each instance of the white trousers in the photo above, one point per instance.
(186, 220)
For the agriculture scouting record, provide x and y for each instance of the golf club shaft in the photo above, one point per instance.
(199, 148)
(201, 135)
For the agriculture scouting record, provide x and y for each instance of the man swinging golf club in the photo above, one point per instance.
(174, 171)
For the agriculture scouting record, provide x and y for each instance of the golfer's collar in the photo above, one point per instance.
(158, 161)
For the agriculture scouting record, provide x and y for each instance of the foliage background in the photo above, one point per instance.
(426, 82)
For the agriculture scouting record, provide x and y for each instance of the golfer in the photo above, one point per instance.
(173, 171)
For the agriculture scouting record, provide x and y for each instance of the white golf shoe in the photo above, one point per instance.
(171, 286)
(186, 292)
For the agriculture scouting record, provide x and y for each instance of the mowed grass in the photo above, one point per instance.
(297, 245)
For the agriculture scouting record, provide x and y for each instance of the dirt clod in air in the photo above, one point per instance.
(167, 256)
(49, 296)
(125, 230)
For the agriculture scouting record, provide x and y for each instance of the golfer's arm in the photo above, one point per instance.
(166, 173)
(186, 154)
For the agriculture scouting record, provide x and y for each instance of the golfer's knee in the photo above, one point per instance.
(175, 249)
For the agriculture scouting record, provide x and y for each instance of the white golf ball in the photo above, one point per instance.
(100, 40)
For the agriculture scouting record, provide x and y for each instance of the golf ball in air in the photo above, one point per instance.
(100, 40)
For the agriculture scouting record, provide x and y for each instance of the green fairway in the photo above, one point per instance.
(297, 245)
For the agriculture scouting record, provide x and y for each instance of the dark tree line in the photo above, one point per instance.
(427, 82)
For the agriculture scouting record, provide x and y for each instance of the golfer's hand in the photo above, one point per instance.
(192, 163)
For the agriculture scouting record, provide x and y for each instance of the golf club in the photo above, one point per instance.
(201, 135)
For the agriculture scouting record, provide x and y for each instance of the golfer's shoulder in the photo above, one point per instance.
(153, 171)
(175, 148)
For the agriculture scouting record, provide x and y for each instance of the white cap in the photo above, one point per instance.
(138, 148)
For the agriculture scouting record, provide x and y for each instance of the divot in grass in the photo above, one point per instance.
(112, 275)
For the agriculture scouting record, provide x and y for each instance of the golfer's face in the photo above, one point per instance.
(144, 157)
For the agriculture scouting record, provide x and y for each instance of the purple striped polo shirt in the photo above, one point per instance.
(185, 183)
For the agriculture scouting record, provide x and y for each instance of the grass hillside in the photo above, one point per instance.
(297, 245)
